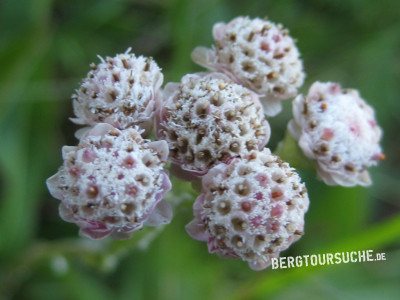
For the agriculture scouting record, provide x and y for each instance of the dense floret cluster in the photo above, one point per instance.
(212, 127)
(207, 119)
(121, 90)
(338, 129)
(257, 54)
(251, 208)
(112, 183)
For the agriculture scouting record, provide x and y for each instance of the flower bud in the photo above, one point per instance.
(337, 128)
(112, 183)
(251, 208)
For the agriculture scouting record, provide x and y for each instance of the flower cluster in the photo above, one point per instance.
(208, 119)
(212, 127)
(113, 182)
(121, 90)
(338, 129)
(257, 54)
(251, 208)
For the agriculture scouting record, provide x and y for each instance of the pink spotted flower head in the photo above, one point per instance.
(121, 91)
(112, 183)
(207, 119)
(251, 208)
(337, 128)
(257, 54)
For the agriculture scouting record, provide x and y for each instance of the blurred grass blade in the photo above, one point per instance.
(376, 237)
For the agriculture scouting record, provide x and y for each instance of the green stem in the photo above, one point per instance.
(289, 150)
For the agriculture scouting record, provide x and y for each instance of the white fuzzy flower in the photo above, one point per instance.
(121, 91)
(207, 119)
(338, 129)
(251, 208)
(112, 183)
(257, 54)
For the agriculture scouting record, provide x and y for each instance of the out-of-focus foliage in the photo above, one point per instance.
(45, 49)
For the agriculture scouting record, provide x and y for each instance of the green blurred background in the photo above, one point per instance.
(45, 49)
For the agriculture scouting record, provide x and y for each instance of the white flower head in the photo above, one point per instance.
(112, 183)
(121, 91)
(251, 208)
(338, 129)
(207, 119)
(257, 54)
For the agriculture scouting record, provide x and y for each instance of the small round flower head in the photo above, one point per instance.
(338, 129)
(208, 119)
(121, 91)
(251, 208)
(112, 183)
(258, 54)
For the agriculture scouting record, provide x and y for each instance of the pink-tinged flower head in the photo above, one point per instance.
(121, 91)
(251, 208)
(112, 183)
(208, 119)
(257, 54)
(338, 129)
